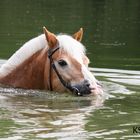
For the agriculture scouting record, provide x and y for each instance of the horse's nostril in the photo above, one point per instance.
(87, 83)
(82, 88)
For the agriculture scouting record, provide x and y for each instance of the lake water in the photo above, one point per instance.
(111, 35)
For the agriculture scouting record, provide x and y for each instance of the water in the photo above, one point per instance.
(29, 114)
(112, 33)
(111, 27)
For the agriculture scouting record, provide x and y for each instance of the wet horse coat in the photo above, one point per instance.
(29, 67)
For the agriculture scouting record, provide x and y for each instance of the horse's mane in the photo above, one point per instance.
(27, 50)
(67, 43)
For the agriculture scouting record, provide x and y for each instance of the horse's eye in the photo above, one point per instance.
(62, 63)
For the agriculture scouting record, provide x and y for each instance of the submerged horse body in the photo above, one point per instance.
(51, 62)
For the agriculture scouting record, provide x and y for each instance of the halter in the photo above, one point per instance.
(63, 82)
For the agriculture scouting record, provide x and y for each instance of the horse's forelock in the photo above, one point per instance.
(71, 47)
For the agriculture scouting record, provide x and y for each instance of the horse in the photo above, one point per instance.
(51, 62)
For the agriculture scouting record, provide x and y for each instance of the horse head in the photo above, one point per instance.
(70, 64)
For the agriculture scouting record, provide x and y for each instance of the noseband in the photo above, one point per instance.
(63, 82)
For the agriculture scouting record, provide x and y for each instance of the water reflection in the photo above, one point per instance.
(39, 118)
(116, 120)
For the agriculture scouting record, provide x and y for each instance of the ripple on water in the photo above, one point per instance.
(42, 115)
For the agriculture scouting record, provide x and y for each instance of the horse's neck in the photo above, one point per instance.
(33, 73)
(29, 74)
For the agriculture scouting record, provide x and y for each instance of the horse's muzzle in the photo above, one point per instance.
(82, 88)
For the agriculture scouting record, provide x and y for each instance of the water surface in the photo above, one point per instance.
(33, 114)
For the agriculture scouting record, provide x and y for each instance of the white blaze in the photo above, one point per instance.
(88, 75)
(92, 80)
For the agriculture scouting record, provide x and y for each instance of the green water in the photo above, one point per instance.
(111, 36)
(112, 27)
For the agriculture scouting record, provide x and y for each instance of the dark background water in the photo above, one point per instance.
(111, 27)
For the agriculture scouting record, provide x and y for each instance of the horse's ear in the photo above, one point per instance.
(51, 38)
(78, 35)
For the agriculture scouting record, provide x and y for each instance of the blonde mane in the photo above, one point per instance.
(67, 43)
